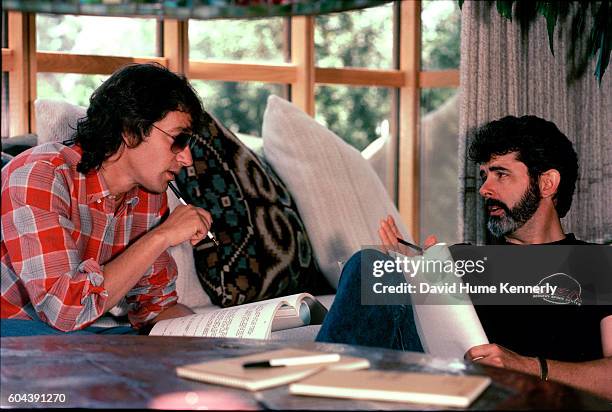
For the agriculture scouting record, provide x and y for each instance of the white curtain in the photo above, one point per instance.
(501, 75)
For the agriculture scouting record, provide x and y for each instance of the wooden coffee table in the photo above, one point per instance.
(138, 372)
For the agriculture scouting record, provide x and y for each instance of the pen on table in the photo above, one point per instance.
(415, 247)
(298, 360)
(180, 198)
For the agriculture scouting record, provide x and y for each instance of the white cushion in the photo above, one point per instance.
(188, 287)
(377, 156)
(56, 120)
(340, 198)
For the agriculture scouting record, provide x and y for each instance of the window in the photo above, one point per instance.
(5, 81)
(72, 88)
(239, 106)
(356, 114)
(361, 38)
(251, 40)
(345, 69)
(440, 34)
(439, 120)
(111, 36)
(88, 35)
(439, 173)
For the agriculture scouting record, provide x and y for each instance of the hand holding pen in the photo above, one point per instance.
(182, 201)
(391, 239)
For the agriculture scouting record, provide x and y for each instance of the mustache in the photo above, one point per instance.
(494, 202)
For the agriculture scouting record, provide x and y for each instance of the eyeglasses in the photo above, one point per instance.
(180, 141)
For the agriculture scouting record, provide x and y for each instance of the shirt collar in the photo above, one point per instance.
(97, 189)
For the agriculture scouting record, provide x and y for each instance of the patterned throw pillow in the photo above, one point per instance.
(264, 250)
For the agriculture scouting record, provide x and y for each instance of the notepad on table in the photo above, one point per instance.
(230, 371)
(422, 388)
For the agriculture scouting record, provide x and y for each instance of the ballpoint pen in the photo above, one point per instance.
(180, 199)
(410, 245)
(295, 361)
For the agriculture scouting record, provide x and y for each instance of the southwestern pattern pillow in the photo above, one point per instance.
(264, 250)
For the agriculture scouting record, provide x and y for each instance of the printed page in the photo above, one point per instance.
(250, 321)
(446, 330)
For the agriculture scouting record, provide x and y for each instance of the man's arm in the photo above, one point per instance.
(593, 376)
(67, 292)
(124, 271)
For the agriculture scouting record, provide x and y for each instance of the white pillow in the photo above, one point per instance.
(340, 198)
(56, 120)
(188, 287)
(377, 156)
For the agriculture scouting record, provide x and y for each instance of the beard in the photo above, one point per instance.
(514, 218)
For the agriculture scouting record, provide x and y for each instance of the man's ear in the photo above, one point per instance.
(128, 139)
(549, 183)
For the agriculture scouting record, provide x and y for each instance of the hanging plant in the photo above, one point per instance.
(589, 24)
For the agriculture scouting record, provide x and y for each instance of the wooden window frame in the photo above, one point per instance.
(23, 62)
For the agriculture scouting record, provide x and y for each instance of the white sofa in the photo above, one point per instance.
(339, 192)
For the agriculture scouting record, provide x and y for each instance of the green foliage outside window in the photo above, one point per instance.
(360, 38)
(116, 36)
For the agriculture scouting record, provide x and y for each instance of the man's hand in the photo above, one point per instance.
(498, 356)
(186, 222)
(389, 233)
(175, 311)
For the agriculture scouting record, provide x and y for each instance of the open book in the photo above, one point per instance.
(250, 321)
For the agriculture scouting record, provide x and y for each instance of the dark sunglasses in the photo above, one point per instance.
(180, 141)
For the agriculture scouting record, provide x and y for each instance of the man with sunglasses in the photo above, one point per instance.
(85, 224)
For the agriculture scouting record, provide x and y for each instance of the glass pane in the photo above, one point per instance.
(5, 106)
(361, 38)
(71, 88)
(112, 36)
(440, 35)
(4, 29)
(359, 115)
(239, 106)
(439, 174)
(254, 40)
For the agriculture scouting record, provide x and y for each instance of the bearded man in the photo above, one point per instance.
(528, 170)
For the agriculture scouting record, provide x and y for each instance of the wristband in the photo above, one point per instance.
(543, 368)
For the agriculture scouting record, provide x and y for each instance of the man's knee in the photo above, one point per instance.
(361, 260)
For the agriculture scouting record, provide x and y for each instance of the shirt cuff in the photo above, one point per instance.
(95, 285)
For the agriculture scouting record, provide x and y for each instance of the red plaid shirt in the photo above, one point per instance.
(59, 228)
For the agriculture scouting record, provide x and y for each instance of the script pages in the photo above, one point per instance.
(250, 321)
(447, 325)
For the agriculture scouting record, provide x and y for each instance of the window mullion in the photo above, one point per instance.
(302, 55)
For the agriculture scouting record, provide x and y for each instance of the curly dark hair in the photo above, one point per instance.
(539, 144)
(130, 101)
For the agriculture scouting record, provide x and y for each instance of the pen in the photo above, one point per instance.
(298, 360)
(180, 198)
(415, 247)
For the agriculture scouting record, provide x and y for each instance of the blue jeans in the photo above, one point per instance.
(348, 321)
(20, 327)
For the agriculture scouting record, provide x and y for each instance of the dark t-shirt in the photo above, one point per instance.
(560, 332)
